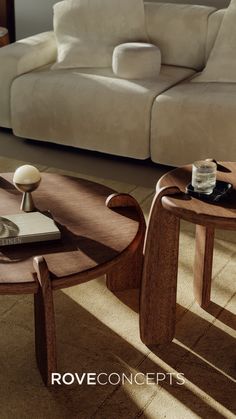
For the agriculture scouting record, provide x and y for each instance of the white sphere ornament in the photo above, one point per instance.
(26, 179)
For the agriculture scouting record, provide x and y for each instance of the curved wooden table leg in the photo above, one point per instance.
(128, 274)
(45, 333)
(203, 264)
(159, 282)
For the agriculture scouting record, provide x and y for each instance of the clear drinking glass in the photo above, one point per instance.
(204, 176)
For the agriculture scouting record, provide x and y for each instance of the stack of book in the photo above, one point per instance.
(27, 228)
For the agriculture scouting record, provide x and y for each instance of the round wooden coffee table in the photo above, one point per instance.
(158, 297)
(102, 233)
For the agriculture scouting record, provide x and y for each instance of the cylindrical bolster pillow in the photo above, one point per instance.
(136, 60)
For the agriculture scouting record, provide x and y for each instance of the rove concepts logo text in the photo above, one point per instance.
(103, 379)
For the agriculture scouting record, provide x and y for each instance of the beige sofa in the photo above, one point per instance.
(169, 118)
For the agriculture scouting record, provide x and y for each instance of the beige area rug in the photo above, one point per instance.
(98, 332)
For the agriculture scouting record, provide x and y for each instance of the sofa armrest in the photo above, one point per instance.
(19, 58)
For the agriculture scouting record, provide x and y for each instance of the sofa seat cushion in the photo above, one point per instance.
(136, 60)
(194, 121)
(90, 109)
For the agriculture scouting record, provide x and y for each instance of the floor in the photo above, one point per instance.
(97, 331)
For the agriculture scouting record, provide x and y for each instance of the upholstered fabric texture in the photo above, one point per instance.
(19, 58)
(87, 31)
(136, 60)
(194, 121)
(221, 65)
(96, 110)
(90, 109)
(180, 31)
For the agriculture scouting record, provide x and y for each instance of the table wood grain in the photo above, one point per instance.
(94, 237)
(221, 215)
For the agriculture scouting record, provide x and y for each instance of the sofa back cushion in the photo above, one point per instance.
(221, 64)
(87, 31)
(214, 24)
(180, 31)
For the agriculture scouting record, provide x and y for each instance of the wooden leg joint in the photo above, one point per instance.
(159, 282)
(45, 334)
(128, 274)
(203, 264)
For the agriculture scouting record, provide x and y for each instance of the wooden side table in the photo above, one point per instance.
(158, 293)
(102, 233)
(4, 37)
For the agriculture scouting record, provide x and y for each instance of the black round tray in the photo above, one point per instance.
(220, 192)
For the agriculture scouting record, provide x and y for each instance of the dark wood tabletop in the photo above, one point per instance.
(93, 235)
(221, 215)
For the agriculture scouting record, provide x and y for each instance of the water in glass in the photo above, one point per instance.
(204, 176)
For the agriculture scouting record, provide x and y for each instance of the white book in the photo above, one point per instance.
(27, 228)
